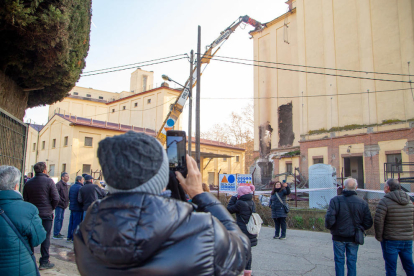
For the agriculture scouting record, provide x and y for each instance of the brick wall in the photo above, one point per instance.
(371, 169)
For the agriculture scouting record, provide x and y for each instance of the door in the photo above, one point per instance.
(354, 167)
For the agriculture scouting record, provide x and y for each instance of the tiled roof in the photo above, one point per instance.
(36, 127)
(124, 128)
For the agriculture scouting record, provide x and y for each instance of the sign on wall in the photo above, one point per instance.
(244, 180)
(227, 183)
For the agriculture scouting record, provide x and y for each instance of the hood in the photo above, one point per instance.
(126, 229)
(348, 193)
(399, 196)
(246, 197)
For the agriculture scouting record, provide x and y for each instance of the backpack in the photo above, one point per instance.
(255, 223)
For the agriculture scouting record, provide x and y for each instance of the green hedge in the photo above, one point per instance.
(44, 43)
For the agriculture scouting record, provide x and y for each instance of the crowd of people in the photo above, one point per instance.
(138, 227)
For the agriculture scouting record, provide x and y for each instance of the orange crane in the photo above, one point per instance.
(178, 106)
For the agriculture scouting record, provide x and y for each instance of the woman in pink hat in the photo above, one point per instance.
(243, 206)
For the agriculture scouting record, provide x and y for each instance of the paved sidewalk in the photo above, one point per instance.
(302, 253)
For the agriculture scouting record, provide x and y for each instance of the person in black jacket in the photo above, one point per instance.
(76, 208)
(41, 191)
(63, 189)
(89, 193)
(278, 211)
(243, 206)
(338, 219)
(136, 231)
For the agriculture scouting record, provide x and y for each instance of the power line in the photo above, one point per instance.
(315, 67)
(116, 70)
(309, 96)
(308, 72)
(87, 72)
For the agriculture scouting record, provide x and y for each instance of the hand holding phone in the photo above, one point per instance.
(193, 184)
(176, 151)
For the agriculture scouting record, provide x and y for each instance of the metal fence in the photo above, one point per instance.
(13, 138)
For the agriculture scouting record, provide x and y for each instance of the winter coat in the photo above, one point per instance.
(41, 191)
(143, 234)
(338, 218)
(278, 211)
(89, 193)
(63, 190)
(243, 208)
(394, 217)
(74, 205)
(14, 257)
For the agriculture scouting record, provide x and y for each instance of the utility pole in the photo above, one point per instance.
(190, 108)
(198, 99)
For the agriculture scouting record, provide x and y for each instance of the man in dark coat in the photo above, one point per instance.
(136, 231)
(394, 228)
(76, 208)
(41, 191)
(63, 189)
(89, 193)
(15, 259)
(339, 220)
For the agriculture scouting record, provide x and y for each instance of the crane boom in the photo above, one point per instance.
(178, 106)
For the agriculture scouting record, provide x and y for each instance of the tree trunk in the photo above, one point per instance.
(12, 97)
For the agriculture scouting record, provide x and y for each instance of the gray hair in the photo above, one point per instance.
(78, 178)
(350, 184)
(9, 177)
(393, 184)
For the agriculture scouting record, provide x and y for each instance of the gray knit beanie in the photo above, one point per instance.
(133, 162)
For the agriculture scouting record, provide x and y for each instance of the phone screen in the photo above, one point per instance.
(176, 151)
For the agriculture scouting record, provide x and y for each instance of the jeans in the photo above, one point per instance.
(280, 222)
(59, 215)
(74, 220)
(44, 248)
(390, 252)
(351, 250)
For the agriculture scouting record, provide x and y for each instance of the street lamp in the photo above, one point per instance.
(166, 78)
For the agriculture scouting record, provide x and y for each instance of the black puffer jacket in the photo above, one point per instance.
(41, 191)
(278, 211)
(243, 208)
(88, 194)
(338, 218)
(142, 234)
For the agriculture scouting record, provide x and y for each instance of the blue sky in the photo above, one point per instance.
(129, 31)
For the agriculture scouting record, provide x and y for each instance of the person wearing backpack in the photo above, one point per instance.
(279, 208)
(243, 206)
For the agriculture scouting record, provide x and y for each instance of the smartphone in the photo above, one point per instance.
(176, 151)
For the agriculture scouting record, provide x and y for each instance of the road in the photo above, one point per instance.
(302, 253)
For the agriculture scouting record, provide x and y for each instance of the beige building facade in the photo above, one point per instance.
(356, 118)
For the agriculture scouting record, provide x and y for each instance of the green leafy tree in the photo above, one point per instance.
(43, 46)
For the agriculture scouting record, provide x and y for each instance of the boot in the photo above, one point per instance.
(247, 273)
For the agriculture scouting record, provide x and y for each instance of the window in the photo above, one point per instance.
(53, 143)
(34, 146)
(393, 161)
(135, 104)
(88, 95)
(224, 159)
(124, 107)
(144, 83)
(237, 158)
(65, 141)
(63, 167)
(289, 167)
(100, 97)
(88, 141)
(86, 168)
(113, 110)
(52, 170)
(75, 93)
(43, 145)
(317, 161)
(148, 101)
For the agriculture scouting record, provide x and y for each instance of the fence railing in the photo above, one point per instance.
(13, 139)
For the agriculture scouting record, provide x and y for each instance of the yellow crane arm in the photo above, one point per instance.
(178, 106)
